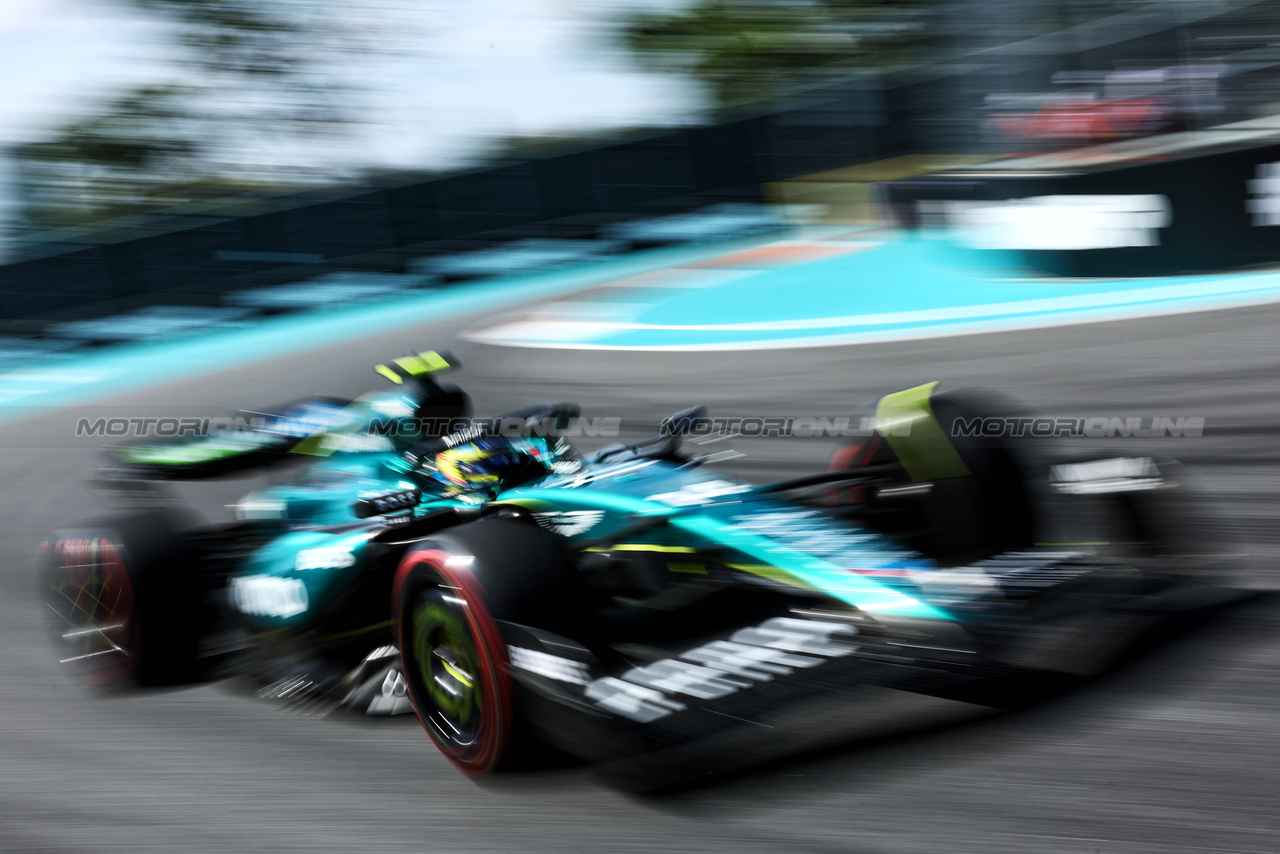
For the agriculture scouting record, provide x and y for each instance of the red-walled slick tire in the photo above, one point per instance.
(453, 659)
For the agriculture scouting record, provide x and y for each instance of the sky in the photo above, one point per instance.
(447, 75)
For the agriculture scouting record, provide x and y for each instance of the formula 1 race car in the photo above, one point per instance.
(508, 590)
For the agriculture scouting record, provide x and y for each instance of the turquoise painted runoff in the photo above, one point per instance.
(902, 289)
(77, 378)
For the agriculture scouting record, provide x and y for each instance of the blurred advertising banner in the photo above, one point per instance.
(1178, 203)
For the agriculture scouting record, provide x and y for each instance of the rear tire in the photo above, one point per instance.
(123, 602)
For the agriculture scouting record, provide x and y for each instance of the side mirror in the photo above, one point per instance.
(682, 422)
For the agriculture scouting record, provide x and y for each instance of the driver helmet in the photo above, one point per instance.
(492, 462)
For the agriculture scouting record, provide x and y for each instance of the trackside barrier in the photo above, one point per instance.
(196, 255)
(1181, 203)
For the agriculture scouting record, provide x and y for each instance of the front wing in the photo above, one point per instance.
(1033, 620)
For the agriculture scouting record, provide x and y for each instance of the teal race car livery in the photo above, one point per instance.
(508, 590)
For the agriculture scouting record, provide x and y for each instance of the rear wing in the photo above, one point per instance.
(251, 440)
(228, 446)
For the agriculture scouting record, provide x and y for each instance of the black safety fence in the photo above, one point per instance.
(198, 255)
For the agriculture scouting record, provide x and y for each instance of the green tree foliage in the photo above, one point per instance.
(250, 87)
(749, 51)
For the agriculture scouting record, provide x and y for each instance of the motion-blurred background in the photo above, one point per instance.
(215, 204)
(169, 154)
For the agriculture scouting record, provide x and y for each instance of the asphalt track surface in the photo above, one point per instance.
(1178, 752)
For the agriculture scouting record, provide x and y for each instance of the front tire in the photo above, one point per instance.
(977, 506)
(454, 660)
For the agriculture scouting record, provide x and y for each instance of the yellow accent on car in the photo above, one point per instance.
(423, 363)
(456, 673)
(313, 446)
(767, 571)
(909, 426)
(691, 568)
(645, 547)
(389, 374)
(426, 362)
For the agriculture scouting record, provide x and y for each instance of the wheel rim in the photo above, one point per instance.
(91, 608)
(450, 671)
(453, 659)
